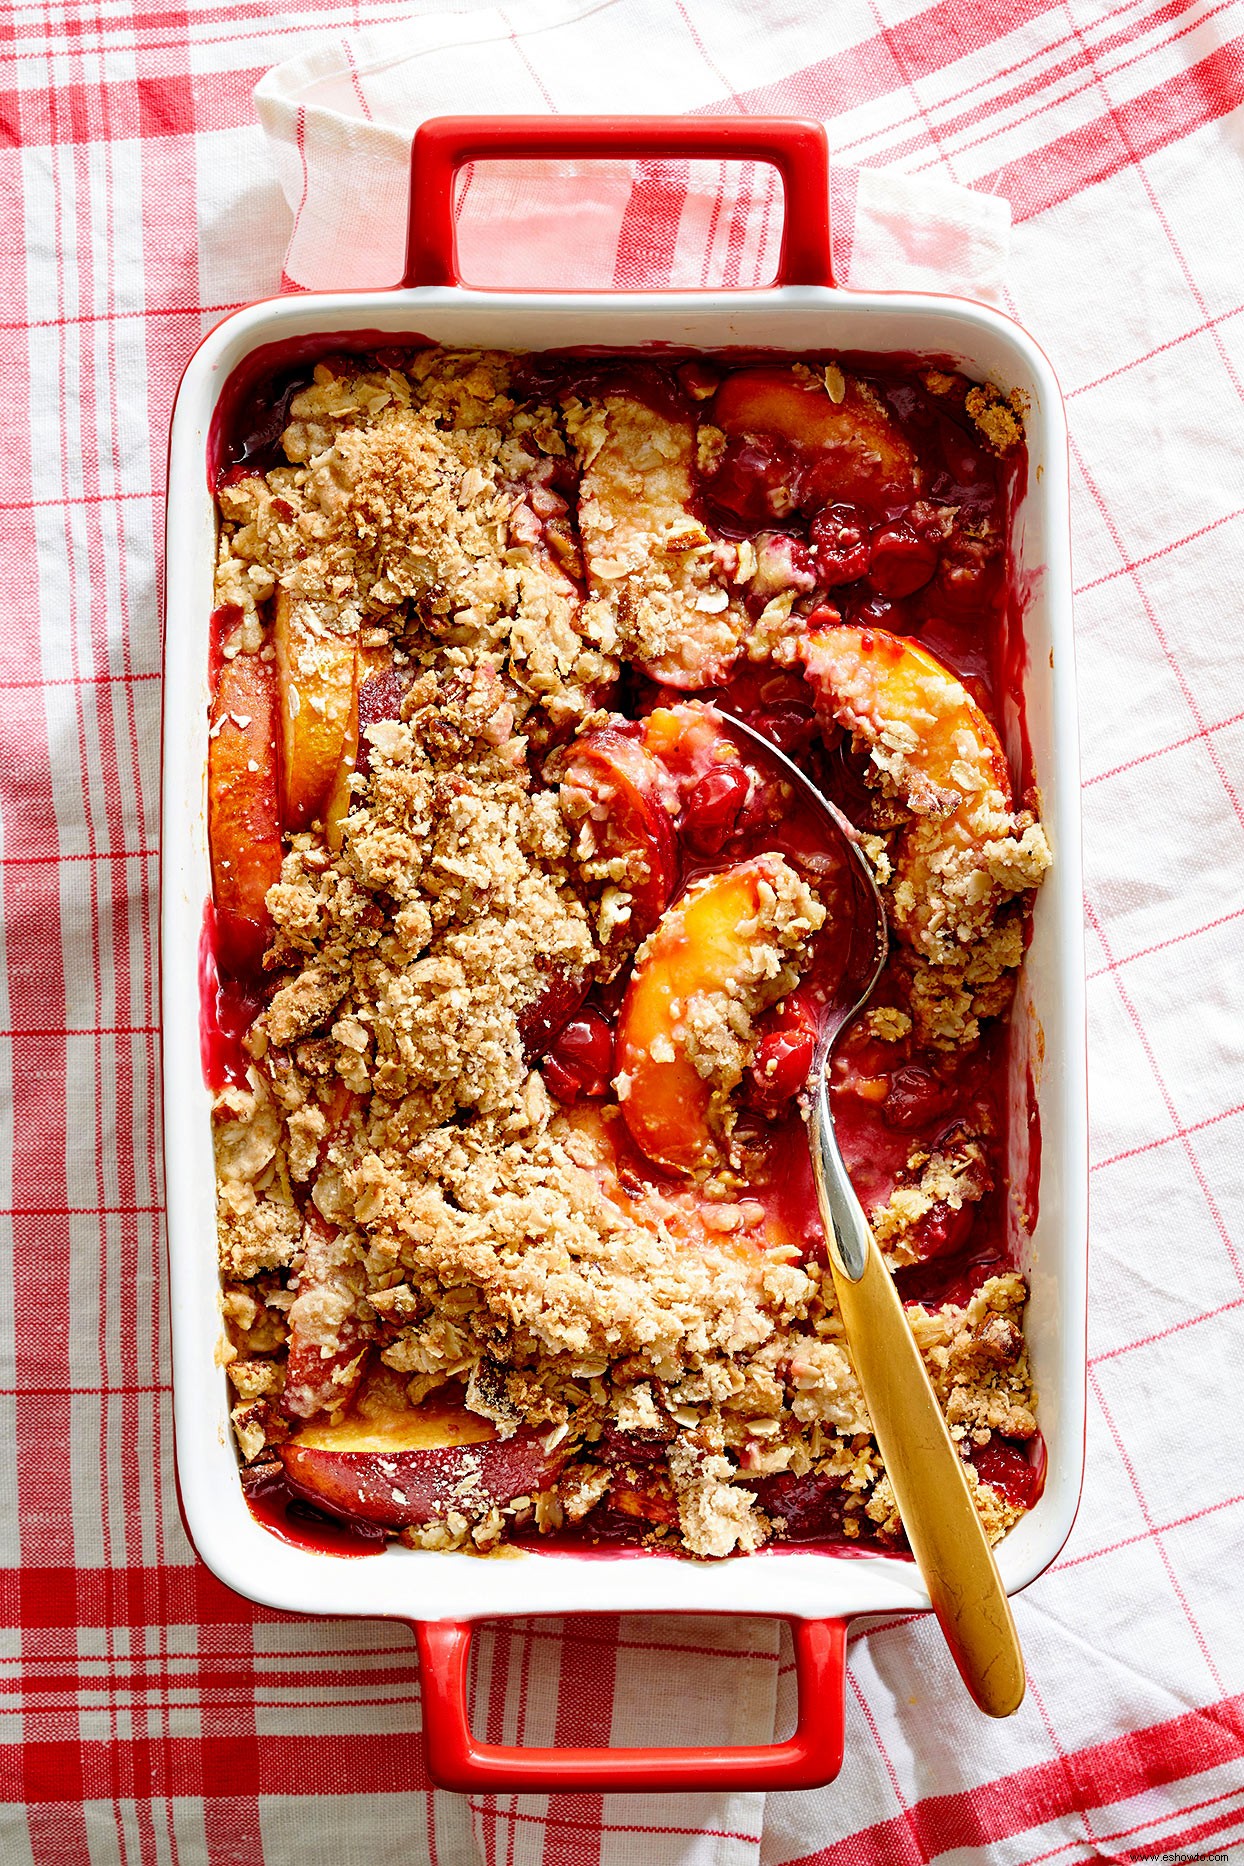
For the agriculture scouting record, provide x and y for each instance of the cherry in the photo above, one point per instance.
(581, 1059)
(712, 809)
(788, 725)
(559, 1082)
(877, 611)
(1005, 1466)
(586, 1041)
(811, 1507)
(380, 697)
(943, 1229)
(840, 541)
(611, 765)
(230, 1010)
(916, 1096)
(781, 1065)
(784, 1055)
(966, 463)
(901, 562)
(562, 995)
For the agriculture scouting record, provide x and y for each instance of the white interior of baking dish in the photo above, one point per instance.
(1048, 1023)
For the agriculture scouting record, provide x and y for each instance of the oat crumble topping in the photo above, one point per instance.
(449, 578)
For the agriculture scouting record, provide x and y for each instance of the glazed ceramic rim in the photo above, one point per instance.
(792, 1583)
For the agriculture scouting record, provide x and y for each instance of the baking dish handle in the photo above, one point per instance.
(795, 146)
(808, 1759)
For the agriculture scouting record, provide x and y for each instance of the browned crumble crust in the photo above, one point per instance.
(652, 568)
(456, 1219)
(954, 1174)
(999, 418)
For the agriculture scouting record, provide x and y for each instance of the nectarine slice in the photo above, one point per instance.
(340, 798)
(318, 673)
(416, 1465)
(925, 731)
(243, 808)
(864, 458)
(602, 1144)
(702, 955)
(965, 850)
(689, 741)
(649, 558)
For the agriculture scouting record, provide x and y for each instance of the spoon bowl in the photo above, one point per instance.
(846, 877)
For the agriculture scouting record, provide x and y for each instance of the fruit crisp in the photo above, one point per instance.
(520, 952)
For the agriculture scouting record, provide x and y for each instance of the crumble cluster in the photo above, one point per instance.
(661, 577)
(396, 1185)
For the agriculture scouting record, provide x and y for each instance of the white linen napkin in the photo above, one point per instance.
(340, 121)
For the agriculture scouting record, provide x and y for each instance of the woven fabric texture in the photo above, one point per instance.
(148, 1717)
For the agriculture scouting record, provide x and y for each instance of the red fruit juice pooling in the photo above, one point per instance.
(1012, 1467)
(227, 1009)
(272, 1503)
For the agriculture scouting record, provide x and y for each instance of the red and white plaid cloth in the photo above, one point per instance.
(149, 1717)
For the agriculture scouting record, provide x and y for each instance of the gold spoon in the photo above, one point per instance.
(946, 1534)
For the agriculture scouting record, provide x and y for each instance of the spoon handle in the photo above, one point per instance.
(946, 1534)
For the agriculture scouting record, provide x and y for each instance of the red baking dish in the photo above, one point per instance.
(817, 1591)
